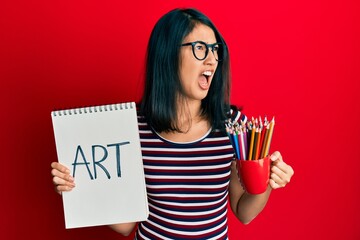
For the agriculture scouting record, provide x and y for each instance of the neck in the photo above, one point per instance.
(190, 123)
(189, 113)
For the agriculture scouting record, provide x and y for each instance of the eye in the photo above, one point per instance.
(199, 47)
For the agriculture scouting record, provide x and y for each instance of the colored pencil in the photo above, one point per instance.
(255, 143)
(262, 138)
(266, 130)
(242, 142)
(252, 142)
(257, 152)
(269, 137)
(244, 129)
(236, 143)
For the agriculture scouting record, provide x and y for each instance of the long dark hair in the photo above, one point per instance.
(162, 83)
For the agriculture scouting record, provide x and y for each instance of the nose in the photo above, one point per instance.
(210, 58)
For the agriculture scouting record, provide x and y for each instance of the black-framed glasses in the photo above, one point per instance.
(200, 50)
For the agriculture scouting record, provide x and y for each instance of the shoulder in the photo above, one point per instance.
(236, 115)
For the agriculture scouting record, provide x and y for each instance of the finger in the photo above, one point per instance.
(63, 188)
(276, 156)
(59, 181)
(273, 184)
(282, 166)
(279, 181)
(282, 177)
(275, 169)
(60, 167)
(64, 176)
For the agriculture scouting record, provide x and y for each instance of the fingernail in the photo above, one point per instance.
(273, 157)
(67, 171)
(71, 178)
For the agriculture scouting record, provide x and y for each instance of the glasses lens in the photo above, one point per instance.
(218, 52)
(200, 50)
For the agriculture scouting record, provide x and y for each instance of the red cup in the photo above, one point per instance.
(255, 175)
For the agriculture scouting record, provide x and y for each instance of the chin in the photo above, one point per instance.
(202, 96)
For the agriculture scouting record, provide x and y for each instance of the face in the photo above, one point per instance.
(195, 75)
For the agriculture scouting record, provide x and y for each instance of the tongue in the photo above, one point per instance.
(203, 83)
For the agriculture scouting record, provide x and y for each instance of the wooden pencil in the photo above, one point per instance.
(257, 152)
(256, 137)
(242, 142)
(236, 144)
(262, 138)
(269, 137)
(252, 141)
(266, 130)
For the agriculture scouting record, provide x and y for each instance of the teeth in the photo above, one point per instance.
(207, 73)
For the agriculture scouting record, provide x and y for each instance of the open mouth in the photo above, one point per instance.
(204, 82)
(207, 74)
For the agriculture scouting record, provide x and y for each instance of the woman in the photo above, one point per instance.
(187, 156)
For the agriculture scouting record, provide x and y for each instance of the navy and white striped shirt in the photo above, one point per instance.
(187, 185)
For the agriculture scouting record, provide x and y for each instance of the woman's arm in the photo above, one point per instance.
(247, 206)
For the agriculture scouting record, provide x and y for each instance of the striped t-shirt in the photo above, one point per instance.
(187, 185)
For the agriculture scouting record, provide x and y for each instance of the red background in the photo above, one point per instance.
(297, 60)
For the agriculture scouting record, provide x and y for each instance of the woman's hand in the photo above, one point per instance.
(280, 172)
(62, 179)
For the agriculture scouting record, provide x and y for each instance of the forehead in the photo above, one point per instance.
(201, 32)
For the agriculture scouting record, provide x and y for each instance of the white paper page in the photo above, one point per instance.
(107, 139)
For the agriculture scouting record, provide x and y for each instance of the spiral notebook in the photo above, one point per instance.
(101, 147)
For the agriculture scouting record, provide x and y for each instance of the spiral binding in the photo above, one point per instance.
(94, 109)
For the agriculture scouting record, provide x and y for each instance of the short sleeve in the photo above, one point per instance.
(236, 115)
